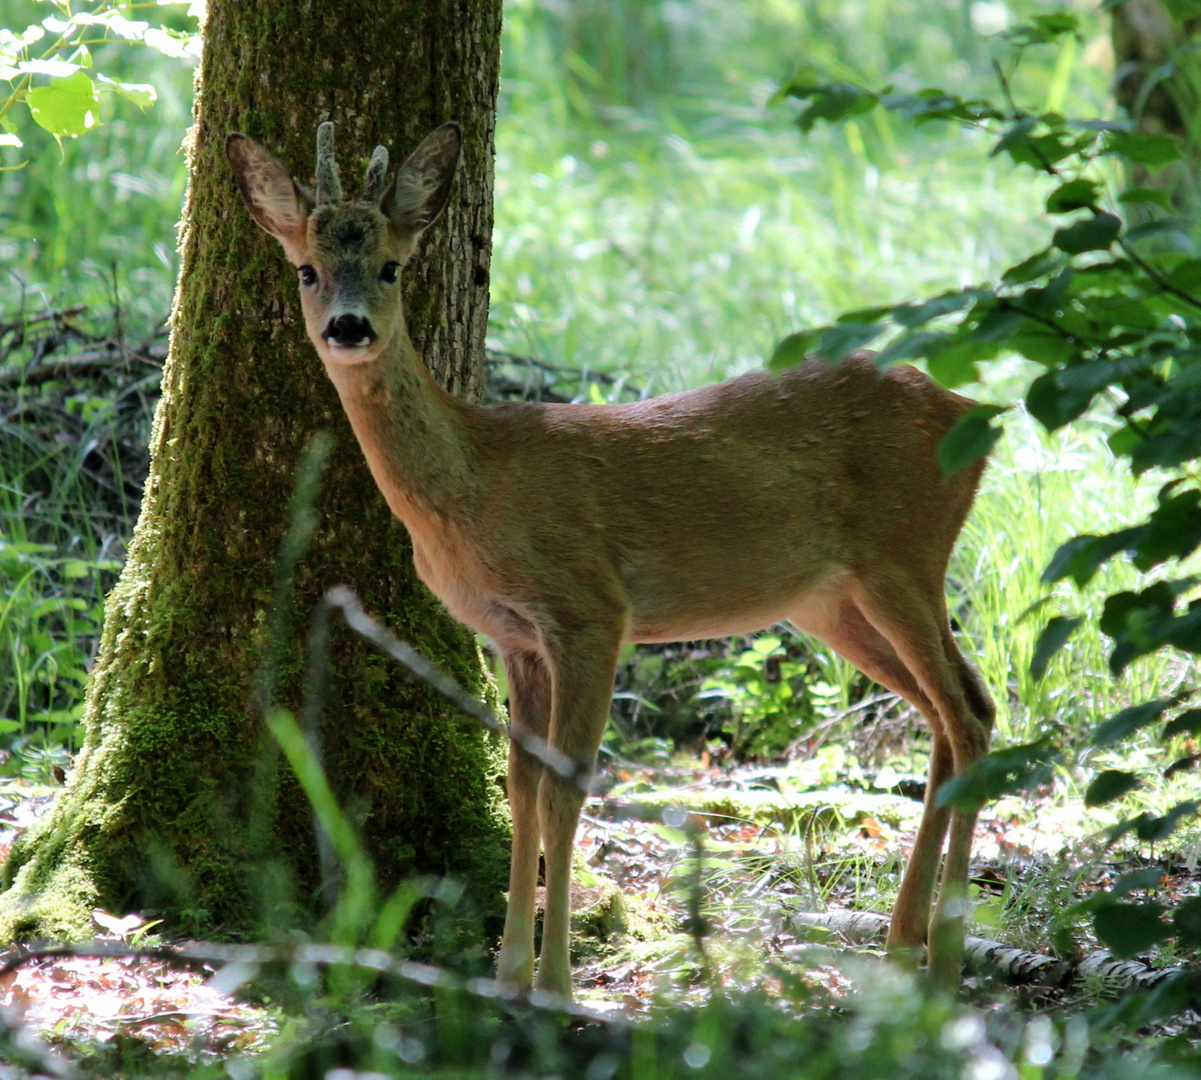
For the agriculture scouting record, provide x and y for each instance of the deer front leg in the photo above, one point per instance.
(529, 710)
(582, 682)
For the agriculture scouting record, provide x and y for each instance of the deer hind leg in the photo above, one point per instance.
(947, 922)
(844, 628)
(583, 666)
(529, 710)
(914, 622)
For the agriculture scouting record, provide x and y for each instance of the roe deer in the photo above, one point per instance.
(563, 531)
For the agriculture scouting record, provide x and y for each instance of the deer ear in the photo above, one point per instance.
(421, 188)
(273, 198)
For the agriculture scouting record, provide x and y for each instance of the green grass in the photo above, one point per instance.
(678, 234)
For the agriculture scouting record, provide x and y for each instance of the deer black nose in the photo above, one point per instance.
(349, 330)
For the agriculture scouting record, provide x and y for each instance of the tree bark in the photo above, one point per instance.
(160, 809)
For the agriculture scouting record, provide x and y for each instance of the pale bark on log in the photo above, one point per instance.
(996, 960)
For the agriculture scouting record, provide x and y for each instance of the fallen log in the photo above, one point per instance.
(996, 960)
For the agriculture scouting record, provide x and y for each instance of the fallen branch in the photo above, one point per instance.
(994, 959)
(97, 361)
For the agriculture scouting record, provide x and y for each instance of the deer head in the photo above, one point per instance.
(348, 253)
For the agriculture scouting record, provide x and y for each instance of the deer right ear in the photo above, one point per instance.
(421, 187)
(273, 198)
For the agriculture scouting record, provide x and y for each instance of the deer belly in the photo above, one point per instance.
(683, 608)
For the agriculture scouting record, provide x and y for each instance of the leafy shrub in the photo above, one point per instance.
(1110, 312)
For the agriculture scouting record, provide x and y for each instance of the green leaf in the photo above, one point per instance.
(1045, 345)
(997, 321)
(1092, 234)
(923, 343)
(1014, 136)
(1150, 877)
(1187, 920)
(129, 29)
(1043, 29)
(1170, 442)
(1053, 638)
(56, 69)
(835, 342)
(933, 104)
(1172, 531)
(1038, 265)
(1003, 772)
(1144, 196)
(171, 42)
(1177, 231)
(1178, 9)
(1041, 152)
(1189, 761)
(141, 94)
(1152, 829)
(1186, 276)
(1074, 195)
(65, 107)
(868, 314)
(1139, 146)
(1125, 723)
(1140, 622)
(914, 315)
(1052, 404)
(834, 102)
(970, 439)
(956, 364)
(1128, 929)
(792, 350)
(1109, 785)
(1187, 723)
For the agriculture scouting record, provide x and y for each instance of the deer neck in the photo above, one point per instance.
(411, 431)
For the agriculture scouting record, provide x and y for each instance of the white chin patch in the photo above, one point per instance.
(350, 352)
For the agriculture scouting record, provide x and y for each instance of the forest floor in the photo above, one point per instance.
(766, 852)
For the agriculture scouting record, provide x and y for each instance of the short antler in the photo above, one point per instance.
(374, 186)
(329, 188)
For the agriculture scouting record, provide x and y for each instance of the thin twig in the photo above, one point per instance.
(252, 957)
(49, 316)
(342, 599)
(97, 361)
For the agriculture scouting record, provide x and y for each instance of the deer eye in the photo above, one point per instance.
(389, 272)
(308, 276)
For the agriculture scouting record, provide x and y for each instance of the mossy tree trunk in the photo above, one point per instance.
(158, 810)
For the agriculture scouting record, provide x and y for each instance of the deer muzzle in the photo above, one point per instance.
(349, 331)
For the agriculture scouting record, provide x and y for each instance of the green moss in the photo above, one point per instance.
(828, 806)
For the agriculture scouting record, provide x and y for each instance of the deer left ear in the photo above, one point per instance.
(273, 198)
(421, 188)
